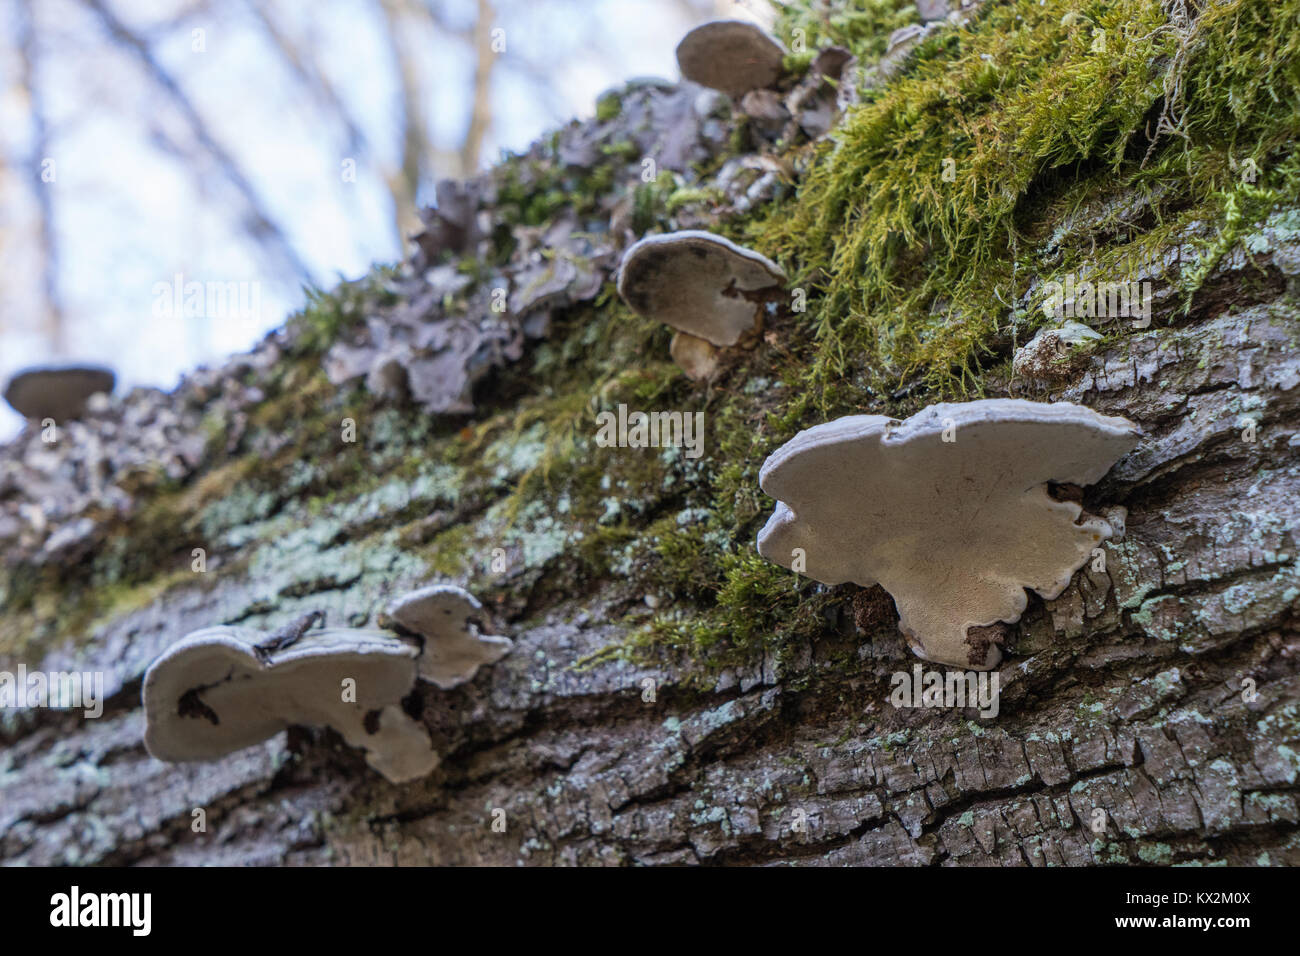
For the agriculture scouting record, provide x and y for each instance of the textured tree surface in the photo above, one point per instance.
(1163, 690)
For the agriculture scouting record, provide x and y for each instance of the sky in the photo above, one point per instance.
(137, 217)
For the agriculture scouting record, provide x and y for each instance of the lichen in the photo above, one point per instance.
(912, 280)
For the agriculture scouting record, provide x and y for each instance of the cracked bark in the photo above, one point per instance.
(1124, 695)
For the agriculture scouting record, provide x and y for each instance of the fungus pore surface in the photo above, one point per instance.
(950, 511)
(212, 693)
(699, 283)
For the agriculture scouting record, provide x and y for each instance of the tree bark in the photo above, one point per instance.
(1148, 715)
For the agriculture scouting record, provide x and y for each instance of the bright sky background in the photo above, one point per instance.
(131, 214)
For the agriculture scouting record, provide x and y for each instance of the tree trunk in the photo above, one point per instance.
(1147, 715)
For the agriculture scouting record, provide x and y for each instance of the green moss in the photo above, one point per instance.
(862, 26)
(327, 314)
(915, 229)
(609, 106)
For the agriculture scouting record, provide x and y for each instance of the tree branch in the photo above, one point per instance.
(46, 238)
(257, 221)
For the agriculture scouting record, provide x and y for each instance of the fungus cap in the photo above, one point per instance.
(949, 511)
(695, 281)
(446, 619)
(211, 694)
(734, 56)
(57, 391)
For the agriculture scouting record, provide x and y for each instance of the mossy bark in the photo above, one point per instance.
(671, 698)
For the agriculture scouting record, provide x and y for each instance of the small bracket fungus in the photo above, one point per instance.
(445, 621)
(950, 511)
(57, 392)
(214, 692)
(700, 284)
(1055, 352)
(734, 56)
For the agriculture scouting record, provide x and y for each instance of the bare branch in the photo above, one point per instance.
(312, 78)
(480, 117)
(257, 222)
(43, 192)
(414, 131)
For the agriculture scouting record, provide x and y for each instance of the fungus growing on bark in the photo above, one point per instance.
(216, 691)
(694, 356)
(950, 511)
(700, 284)
(57, 392)
(1054, 352)
(734, 56)
(446, 621)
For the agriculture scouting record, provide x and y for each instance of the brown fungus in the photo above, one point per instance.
(701, 284)
(734, 56)
(57, 392)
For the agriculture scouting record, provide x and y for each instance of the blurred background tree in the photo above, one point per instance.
(276, 142)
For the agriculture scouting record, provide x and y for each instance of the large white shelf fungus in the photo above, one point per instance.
(949, 511)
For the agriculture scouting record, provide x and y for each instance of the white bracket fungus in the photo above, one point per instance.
(222, 689)
(950, 511)
(444, 619)
(701, 284)
(57, 392)
(734, 56)
(213, 693)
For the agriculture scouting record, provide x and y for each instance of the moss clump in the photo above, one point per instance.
(862, 26)
(609, 106)
(327, 314)
(757, 607)
(912, 227)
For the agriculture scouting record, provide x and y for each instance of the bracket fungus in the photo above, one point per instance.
(58, 392)
(734, 56)
(951, 511)
(222, 689)
(445, 620)
(213, 693)
(1054, 352)
(701, 284)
